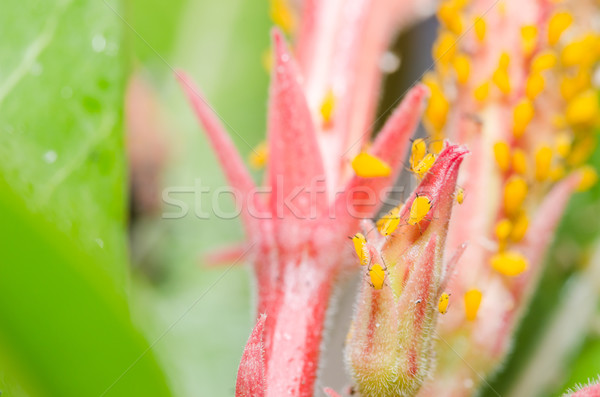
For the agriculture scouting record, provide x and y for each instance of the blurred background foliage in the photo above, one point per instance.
(76, 268)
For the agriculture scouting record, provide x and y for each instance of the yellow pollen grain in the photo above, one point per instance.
(522, 116)
(534, 85)
(418, 151)
(503, 229)
(259, 156)
(510, 263)
(559, 22)
(502, 155)
(519, 161)
(482, 92)
(327, 107)
(282, 15)
(424, 165)
(366, 165)
(480, 28)
(515, 192)
(519, 227)
(419, 209)
(449, 15)
(472, 302)
(360, 246)
(444, 48)
(529, 34)
(543, 61)
(377, 275)
(462, 67)
(589, 177)
(583, 110)
(543, 163)
(562, 144)
(443, 303)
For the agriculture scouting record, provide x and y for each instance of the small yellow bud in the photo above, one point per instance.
(259, 156)
(534, 85)
(519, 227)
(366, 165)
(503, 229)
(444, 48)
(522, 116)
(543, 162)
(515, 192)
(529, 36)
(327, 108)
(502, 155)
(437, 107)
(449, 15)
(589, 177)
(559, 22)
(543, 61)
(462, 67)
(480, 28)
(472, 302)
(482, 92)
(583, 110)
(581, 52)
(502, 80)
(519, 161)
(509, 263)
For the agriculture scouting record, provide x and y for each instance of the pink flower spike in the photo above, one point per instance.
(232, 164)
(295, 163)
(251, 373)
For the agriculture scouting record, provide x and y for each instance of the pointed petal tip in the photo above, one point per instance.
(251, 373)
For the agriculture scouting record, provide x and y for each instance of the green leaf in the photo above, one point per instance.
(61, 100)
(66, 329)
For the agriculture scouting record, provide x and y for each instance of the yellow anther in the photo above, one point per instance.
(515, 192)
(522, 116)
(389, 222)
(534, 85)
(559, 22)
(360, 246)
(502, 80)
(504, 61)
(583, 110)
(480, 28)
(377, 275)
(424, 165)
(282, 15)
(437, 107)
(418, 151)
(259, 156)
(589, 177)
(543, 61)
(419, 209)
(328, 107)
(581, 52)
(519, 161)
(502, 155)
(472, 302)
(509, 263)
(366, 165)
(557, 173)
(460, 195)
(444, 48)
(529, 36)
(462, 67)
(543, 162)
(449, 15)
(575, 84)
(562, 144)
(503, 229)
(443, 303)
(482, 92)
(519, 227)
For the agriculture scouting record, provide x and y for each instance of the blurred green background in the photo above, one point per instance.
(91, 294)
